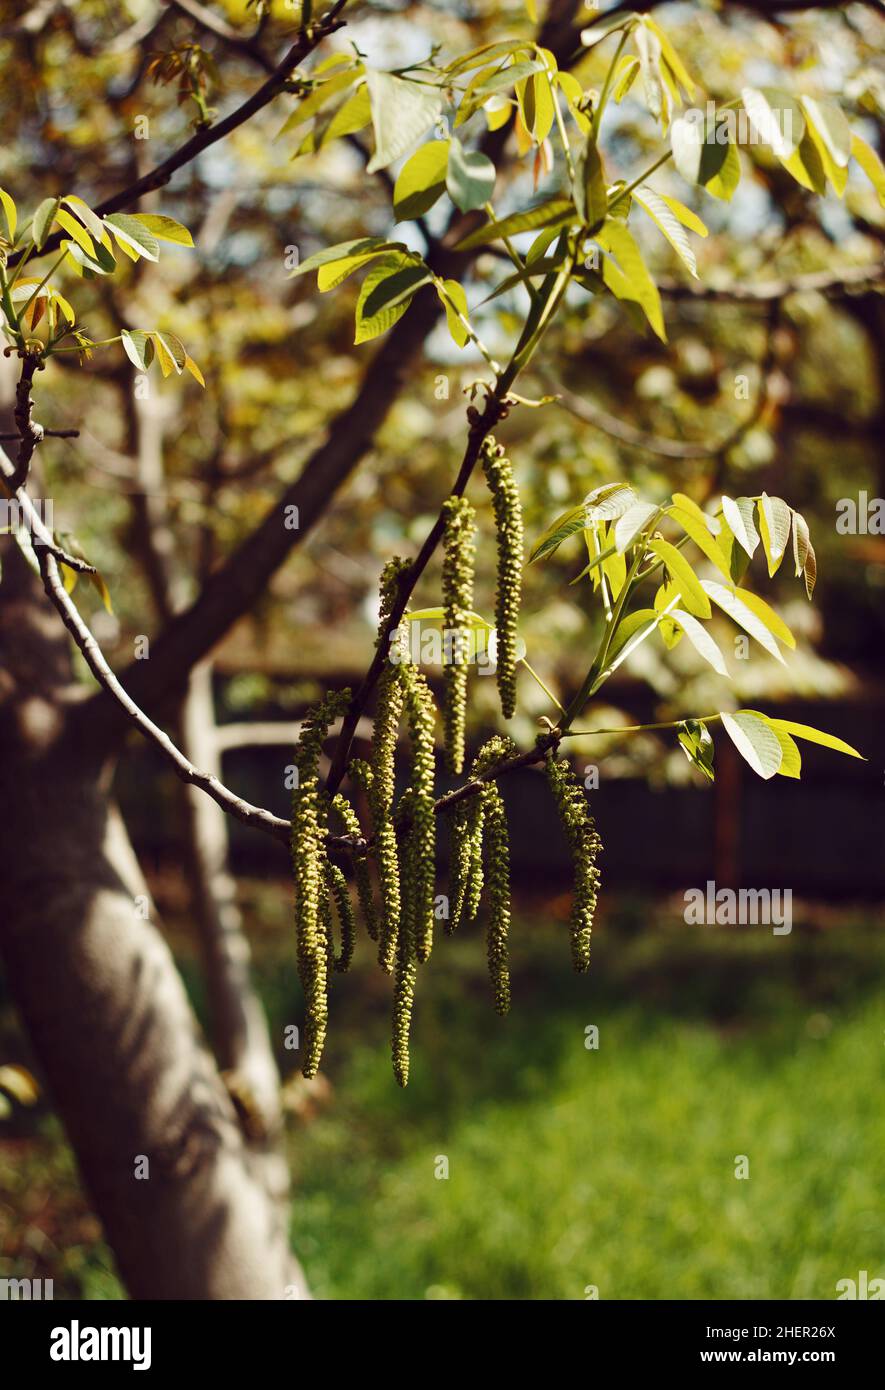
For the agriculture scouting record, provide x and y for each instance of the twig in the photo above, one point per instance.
(835, 285)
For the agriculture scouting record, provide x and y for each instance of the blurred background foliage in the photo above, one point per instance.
(568, 1167)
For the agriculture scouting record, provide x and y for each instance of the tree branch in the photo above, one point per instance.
(306, 42)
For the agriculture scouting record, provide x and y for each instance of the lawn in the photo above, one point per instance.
(569, 1168)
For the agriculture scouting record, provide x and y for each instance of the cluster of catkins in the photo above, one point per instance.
(403, 829)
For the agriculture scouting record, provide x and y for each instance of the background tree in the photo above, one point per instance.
(205, 490)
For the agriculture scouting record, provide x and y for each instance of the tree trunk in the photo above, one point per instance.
(154, 1130)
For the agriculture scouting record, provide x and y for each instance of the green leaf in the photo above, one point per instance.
(705, 157)
(98, 583)
(641, 620)
(697, 744)
(102, 263)
(625, 75)
(591, 194)
(170, 352)
(396, 288)
(871, 164)
(733, 604)
(755, 741)
(667, 222)
(829, 121)
(42, 220)
(608, 502)
(138, 348)
(91, 221)
(788, 726)
(457, 295)
(673, 59)
(632, 523)
(639, 286)
(164, 228)
(648, 46)
(739, 515)
(553, 213)
(806, 166)
(507, 77)
(471, 177)
(803, 553)
(76, 230)
(366, 246)
(543, 110)
(777, 118)
(133, 238)
(421, 181)
(699, 533)
(685, 215)
(766, 614)
(559, 530)
(9, 212)
(700, 639)
(317, 99)
(371, 325)
(791, 762)
(401, 113)
(352, 115)
(683, 577)
(775, 521)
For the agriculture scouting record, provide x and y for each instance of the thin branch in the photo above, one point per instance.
(41, 536)
(161, 174)
(834, 285)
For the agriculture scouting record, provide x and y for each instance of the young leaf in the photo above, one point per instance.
(164, 228)
(699, 533)
(697, 744)
(559, 530)
(629, 526)
(401, 113)
(91, 221)
(683, 577)
(390, 266)
(132, 237)
(766, 614)
(673, 59)
(667, 222)
(777, 118)
(775, 520)
(812, 735)
(700, 639)
(829, 122)
(755, 741)
(471, 177)
(9, 212)
(367, 246)
(641, 620)
(732, 604)
(138, 348)
(76, 230)
(456, 294)
(636, 282)
(191, 366)
(554, 213)
(705, 157)
(421, 180)
(591, 196)
(685, 215)
(608, 502)
(871, 164)
(739, 515)
(42, 220)
(626, 74)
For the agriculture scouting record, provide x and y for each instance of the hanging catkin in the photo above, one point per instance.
(420, 714)
(459, 864)
(508, 523)
(498, 872)
(349, 819)
(457, 587)
(338, 892)
(309, 824)
(585, 845)
(405, 970)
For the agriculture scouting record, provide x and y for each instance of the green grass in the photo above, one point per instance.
(614, 1168)
(568, 1167)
